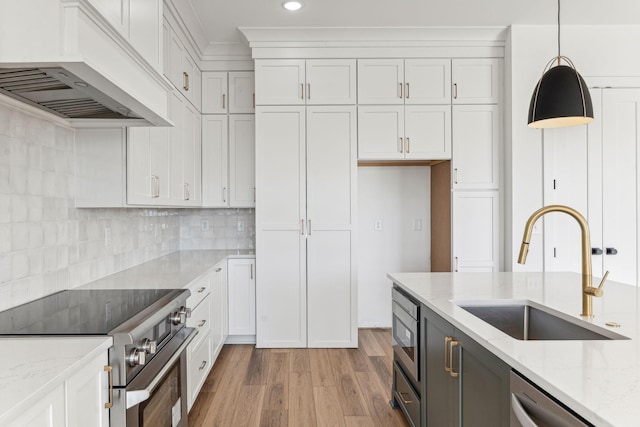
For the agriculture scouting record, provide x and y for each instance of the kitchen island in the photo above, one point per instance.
(599, 379)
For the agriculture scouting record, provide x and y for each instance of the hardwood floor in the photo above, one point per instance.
(300, 387)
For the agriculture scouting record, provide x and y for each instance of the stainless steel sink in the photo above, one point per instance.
(524, 321)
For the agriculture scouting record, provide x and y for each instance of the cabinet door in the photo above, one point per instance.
(190, 77)
(219, 308)
(427, 132)
(476, 145)
(242, 171)
(242, 92)
(484, 385)
(214, 161)
(380, 81)
(331, 219)
(280, 244)
(145, 29)
(47, 412)
(177, 114)
(476, 81)
(86, 394)
(242, 296)
(331, 81)
(441, 397)
(174, 53)
(143, 183)
(380, 132)
(427, 81)
(280, 82)
(192, 157)
(476, 231)
(199, 363)
(214, 92)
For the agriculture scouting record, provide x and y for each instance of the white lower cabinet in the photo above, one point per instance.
(476, 231)
(241, 274)
(79, 401)
(219, 308)
(199, 362)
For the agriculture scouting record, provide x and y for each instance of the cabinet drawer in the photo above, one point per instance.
(199, 365)
(405, 396)
(199, 289)
(201, 319)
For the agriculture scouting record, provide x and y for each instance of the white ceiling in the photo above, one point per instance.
(219, 19)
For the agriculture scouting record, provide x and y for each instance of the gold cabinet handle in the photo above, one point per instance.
(186, 191)
(406, 92)
(406, 400)
(400, 84)
(202, 365)
(201, 290)
(401, 145)
(308, 90)
(452, 344)
(185, 80)
(224, 96)
(109, 404)
(455, 175)
(447, 340)
(408, 145)
(202, 323)
(455, 91)
(456, 264)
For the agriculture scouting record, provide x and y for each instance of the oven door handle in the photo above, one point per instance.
(135, 397)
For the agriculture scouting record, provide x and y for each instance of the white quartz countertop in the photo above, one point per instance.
(30, 369)
(600, 380)
(173, 271)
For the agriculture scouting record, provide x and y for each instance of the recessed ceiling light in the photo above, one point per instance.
(292, 5)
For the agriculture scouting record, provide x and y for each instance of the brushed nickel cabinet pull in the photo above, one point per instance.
(218, 270)
(452, 344)
(309, 226)
(400, 84)
(202, 289)
(155, 184)
(254, 100)
(408, 145)
(185, 80)
(224, 194)
(456, 266)
(406, 92)
(308, 90)
(202, 323)
(109, 404)
(302, 227)
(251, 267)
(202, 365)
(455, 91)
(254, 194)
(401, 145)
(455, 175)
(224, 96)
(301, 90)
(186, 191)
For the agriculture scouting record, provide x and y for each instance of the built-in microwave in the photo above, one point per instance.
(405, 332)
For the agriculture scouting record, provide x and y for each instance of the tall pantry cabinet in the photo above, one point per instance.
(306, 160)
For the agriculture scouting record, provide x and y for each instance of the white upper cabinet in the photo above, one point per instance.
(180, 68)
(476, 145)
(242, 157)
(476, 81)
(300, 82)
(215, 182)
(147, 166)
(427, 130)
(404, 81)
(242, 94)
(214, 92)
(380, 132)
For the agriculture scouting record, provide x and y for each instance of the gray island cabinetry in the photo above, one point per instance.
(465, 384)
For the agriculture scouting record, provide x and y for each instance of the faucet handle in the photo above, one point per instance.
(597, 292)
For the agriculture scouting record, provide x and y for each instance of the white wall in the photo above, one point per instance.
(604, 55)
(397, 196)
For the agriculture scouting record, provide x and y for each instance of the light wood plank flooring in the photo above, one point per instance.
(301, 387)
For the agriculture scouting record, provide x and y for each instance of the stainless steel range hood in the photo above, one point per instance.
(62, 93)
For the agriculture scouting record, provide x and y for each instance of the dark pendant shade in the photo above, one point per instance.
(561, 98)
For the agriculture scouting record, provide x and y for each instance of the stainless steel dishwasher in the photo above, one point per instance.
(532, 407)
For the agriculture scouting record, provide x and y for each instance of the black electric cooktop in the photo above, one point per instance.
(79, 311)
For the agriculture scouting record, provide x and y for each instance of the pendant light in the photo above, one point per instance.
(561, 97)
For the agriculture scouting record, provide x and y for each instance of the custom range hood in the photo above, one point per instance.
(86, 62)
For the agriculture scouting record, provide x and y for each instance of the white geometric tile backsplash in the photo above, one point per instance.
(47, 245)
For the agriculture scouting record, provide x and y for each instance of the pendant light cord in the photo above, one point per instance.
(558, 32)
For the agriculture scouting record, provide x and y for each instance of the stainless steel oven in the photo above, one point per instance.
(406, 331)
(157, 396)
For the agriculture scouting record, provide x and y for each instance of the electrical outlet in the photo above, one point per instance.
(377, 225)
(204, 224)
